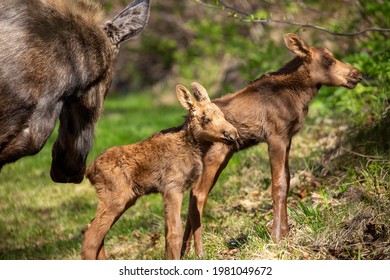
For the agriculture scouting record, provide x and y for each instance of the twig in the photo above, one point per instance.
(373, 158)
(321, 28)
(250, 18)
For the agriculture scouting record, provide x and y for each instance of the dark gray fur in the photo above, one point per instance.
(56, 63)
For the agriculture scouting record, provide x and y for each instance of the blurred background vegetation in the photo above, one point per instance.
(188, 40)
(339, 203)
(204, 41)
(201, 41)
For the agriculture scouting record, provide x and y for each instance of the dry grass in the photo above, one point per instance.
(339, 202)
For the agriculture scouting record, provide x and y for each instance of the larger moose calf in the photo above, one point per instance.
(271, 109)
(167, 162)
(56, 60)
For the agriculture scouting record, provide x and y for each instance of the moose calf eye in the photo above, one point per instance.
(328, 61)
(205, 120)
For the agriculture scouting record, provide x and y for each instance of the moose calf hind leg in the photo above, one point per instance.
(93, 240)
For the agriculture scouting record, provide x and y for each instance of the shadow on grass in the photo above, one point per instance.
(56, 232)
(52, 250)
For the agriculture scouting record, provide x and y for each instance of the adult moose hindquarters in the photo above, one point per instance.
(271, 109)
(56, 61)
(168, 162)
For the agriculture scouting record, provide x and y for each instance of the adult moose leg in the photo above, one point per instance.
(215, 160)
(278, 149)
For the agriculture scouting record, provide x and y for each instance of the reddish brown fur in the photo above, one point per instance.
(271, 109)
(168, 162)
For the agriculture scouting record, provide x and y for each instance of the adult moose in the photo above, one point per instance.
(271, 109)
(56, 61)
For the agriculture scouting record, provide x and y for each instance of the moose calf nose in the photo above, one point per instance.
(233, 138)
(356, 74)
(228, 135)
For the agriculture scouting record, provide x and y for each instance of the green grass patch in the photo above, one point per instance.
(40, 219)
(338, 202)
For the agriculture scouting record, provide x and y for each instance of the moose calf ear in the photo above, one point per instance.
(295, 44)
(200, 92)
(128, 23)
(185, 98)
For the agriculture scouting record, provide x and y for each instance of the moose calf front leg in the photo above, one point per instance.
(173, 227)
(215, 160)
(278, 150)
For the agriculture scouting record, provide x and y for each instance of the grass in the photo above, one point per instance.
(339, 204)
(40, 219)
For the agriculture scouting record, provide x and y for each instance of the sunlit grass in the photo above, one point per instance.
(40, 219)
(336, 211)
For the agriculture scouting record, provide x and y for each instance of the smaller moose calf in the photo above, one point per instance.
(168, 162)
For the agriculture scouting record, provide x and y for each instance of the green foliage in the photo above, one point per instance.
(367, 101)
(378, 12)
(372, 56)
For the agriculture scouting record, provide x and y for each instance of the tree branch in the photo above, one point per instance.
(243, 16)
